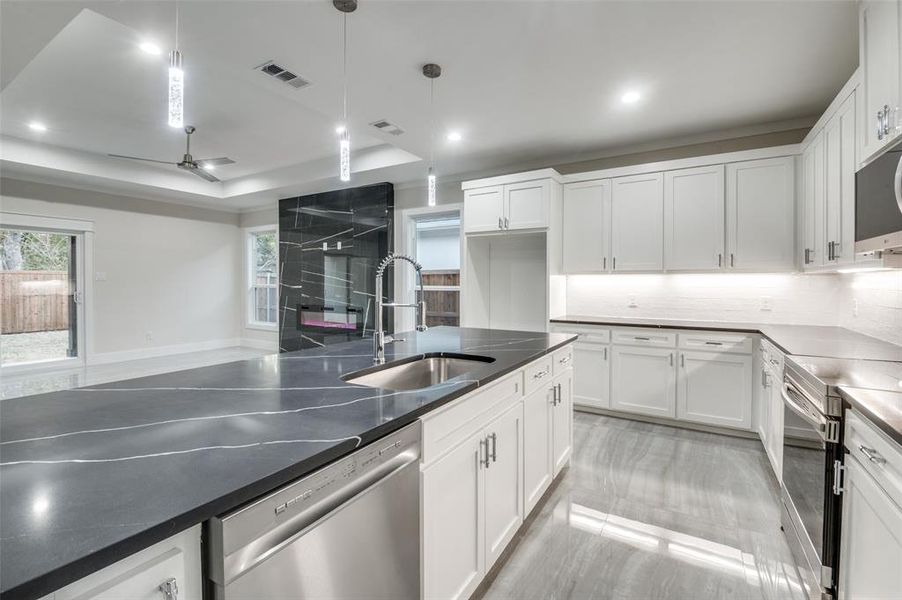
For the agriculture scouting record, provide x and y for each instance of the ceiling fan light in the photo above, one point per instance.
(176, 90)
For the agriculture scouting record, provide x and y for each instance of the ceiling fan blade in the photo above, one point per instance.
(162, 162)
(204, 174)
(224, 160)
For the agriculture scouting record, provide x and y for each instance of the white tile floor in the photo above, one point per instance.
(26, 384)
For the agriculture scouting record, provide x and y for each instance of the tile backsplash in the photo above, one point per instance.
(867, 302)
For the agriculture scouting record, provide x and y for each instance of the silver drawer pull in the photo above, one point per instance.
(871, 454)
(565, 360)
(540, 374)
(714, 343)
(170, 589)
(643, 339)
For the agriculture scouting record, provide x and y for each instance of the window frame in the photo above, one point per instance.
(250, 320)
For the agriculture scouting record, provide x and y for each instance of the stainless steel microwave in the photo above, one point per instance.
(878, 203)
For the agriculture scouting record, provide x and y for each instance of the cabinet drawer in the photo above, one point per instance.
(644, 337)
(879, 455)
(562, 360)
(586, 333)
(537, 375)
(716, 342)
(449, 425)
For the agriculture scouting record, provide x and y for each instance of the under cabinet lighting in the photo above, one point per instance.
(176, 90)
(37, 126)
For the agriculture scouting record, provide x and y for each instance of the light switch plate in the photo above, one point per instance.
(632, 302)
(767, 304)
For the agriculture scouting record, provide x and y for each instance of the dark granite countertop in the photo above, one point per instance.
(91, 475)
(806, 340)
(881, 407)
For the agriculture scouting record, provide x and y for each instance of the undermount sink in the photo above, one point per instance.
(417, 373)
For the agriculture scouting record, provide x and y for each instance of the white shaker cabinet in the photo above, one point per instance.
(838, 245)
(715, 388)
(592, 372)
(643, 380)
(526, 204)
(694, 219)
(637, 219)
(484, 209)
(503, 485)
(587, 227)
(880, 57)
(537, 423)
(760, 214)
(562, 420)
(813, 201)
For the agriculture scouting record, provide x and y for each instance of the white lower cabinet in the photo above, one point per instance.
(715, 389)
(172, 564)
(643, 380)
(477, 491)
(592, 374)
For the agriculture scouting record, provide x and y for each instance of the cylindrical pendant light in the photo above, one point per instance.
(344, 133)
(176, 81)
(432, 71)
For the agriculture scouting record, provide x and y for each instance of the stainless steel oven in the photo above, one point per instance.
(812, 463)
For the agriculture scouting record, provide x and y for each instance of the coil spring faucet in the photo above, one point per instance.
(379, 337)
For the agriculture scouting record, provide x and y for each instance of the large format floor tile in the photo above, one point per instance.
(648, 511)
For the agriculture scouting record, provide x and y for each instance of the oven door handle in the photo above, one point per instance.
(819, 424)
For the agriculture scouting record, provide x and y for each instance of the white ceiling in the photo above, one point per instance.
(523, 81)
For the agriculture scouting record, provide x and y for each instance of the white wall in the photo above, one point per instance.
(872, 304)
(170, 270)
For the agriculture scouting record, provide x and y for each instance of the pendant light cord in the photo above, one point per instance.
(431, 123)
(344, 36)
(176, 25)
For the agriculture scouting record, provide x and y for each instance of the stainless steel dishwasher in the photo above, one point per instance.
(350, 530)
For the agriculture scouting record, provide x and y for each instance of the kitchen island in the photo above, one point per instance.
(91, 475)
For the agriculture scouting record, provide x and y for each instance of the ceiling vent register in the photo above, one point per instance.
(282, 74)
(387, 127)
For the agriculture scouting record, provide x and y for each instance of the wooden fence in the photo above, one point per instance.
(33, 301)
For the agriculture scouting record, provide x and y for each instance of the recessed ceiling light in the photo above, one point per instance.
(150, 48)
(630, 97)
(340, 129)
(37, 126)
(455, 136)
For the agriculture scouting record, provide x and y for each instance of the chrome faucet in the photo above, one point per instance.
(379, 337)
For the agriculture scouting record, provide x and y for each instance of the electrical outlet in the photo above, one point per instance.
(855, 307)
(148, 336)
(767, 304)
(632, 302)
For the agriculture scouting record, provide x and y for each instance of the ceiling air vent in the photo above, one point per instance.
(282, 74)
(387, 127)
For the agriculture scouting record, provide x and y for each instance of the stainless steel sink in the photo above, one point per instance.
(417, 373)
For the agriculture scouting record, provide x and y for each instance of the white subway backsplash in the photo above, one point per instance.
(812, 299)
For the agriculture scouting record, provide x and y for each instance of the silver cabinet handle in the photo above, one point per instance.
(614, 265)
(484, 450)
(880, 114)
(494, 447)
(683, 360)
(565, 360)
(170, 589)
(640, 338)
(719, 260)
(732, 261)
(671, 359)
(886, 111)
(605, 352)
(507, 223)
(604, 264)
(540, 374)
(714, 343)
(500, 223)
(871, 454)
(763, 378)
(807, 256)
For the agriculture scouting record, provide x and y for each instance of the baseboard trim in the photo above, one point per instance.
(103, 358)
(272, 346)
(741, 433)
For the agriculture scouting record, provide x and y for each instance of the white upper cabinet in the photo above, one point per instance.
(694, 219)
(526, 204)
(839, 213)
(484, 209)
(587, 227)
(881, 62)
(760, 214)
(637, 218)
(813, 193)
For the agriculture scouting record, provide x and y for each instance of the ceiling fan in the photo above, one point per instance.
(200, 167)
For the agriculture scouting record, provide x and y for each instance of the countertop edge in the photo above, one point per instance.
(850, 401)
(91, 563)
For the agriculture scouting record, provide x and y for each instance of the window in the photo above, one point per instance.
(263, 282)
(437, 248)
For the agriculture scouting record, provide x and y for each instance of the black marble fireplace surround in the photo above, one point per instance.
(329, 247)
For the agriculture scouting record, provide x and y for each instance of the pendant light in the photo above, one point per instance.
(432, 71)
(344, 134)
(176, 81)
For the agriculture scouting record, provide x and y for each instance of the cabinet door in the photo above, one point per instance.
(775, 418)
(637, 219)
(562, 421)
(142, 583)
(526, 204)
(484, 209)
(694, 219)
(642, 381)
(591, 375)
(879, 41)
(760, 214)
(503, 485)
(813, 192)
(452, 522)
(537, 451)
(587, 227)
(715, 389)
(871, 539)
(839, 213)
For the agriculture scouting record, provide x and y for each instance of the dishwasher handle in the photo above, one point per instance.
(274, 539)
